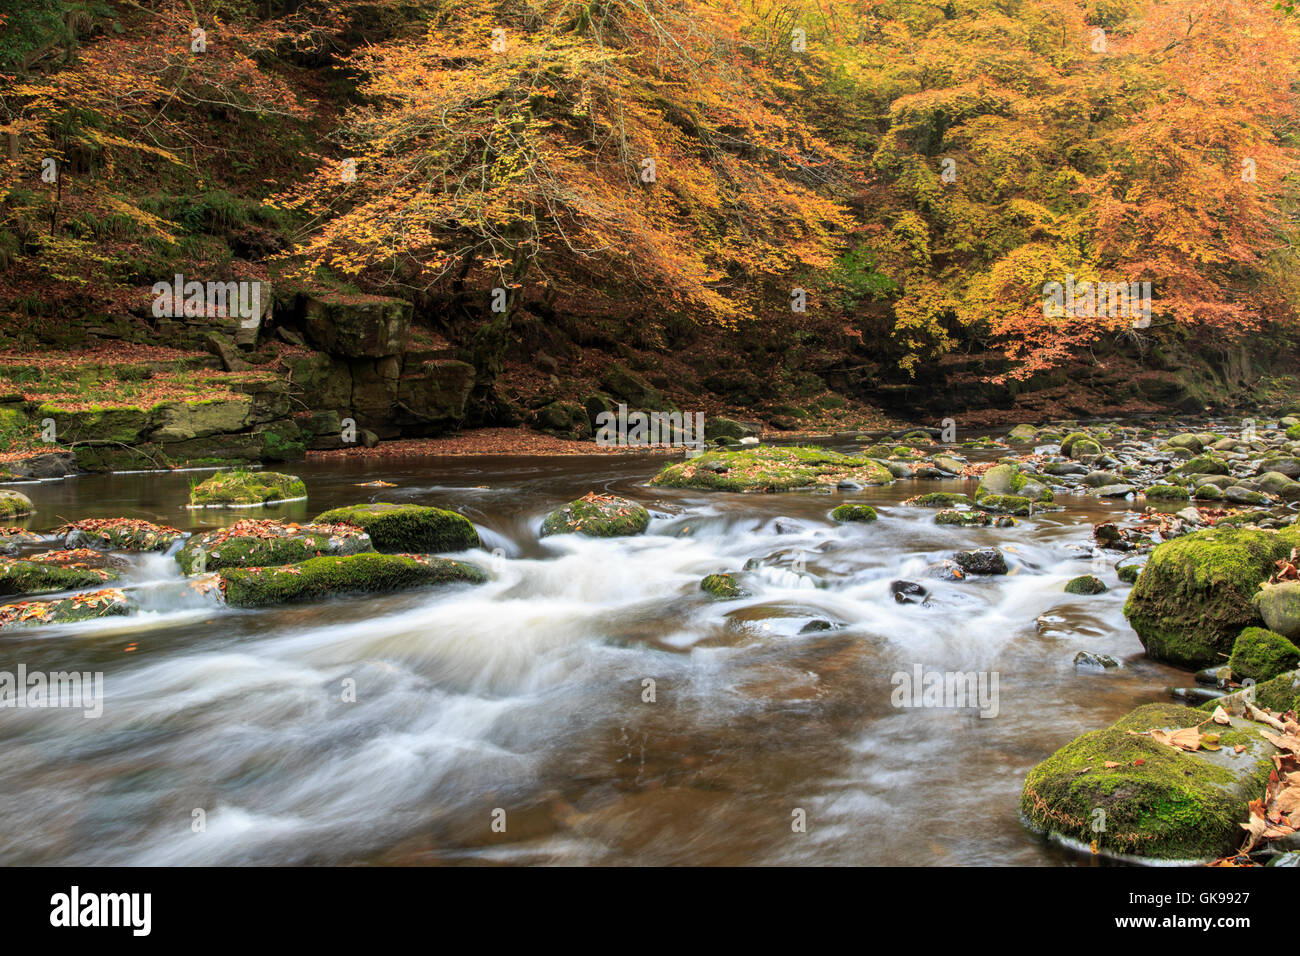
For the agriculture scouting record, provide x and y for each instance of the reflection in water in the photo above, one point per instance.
(591, 691)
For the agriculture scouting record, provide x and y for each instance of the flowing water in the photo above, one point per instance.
(527, 699)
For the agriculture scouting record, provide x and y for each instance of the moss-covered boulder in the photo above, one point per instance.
(1194, 596)
(1279, 485)
(407, 528)
(245, 489)
(854, 513)
(1168, 492)
(261, 543)
(1085, 584)
(971, 519)
(1006, 504)
(1078, 444)
(1022, 434)
(597, 516)
(1279, 606)
(352, 574)
(1260, 654)
(1006, 481)
(47, 577)
(14, 504)
(1202, 465)
(1136, 797)
(772, 469)
(107, 602)
(118, 534)
(722, 586)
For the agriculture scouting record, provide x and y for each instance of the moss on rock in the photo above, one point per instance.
(722, 586)
(118, 534)
(107, 602)
(1085, 584)
(358, 573)
(407, 528)
(1279, 605)
(772, 469)
(261, 543)
(1157, 802)
(15, 504)
(1005, 480)
(1194, 596)
(44, 577)
(240, 488)
(854, 513)
(938, 499)
(597, 516)
(1260, 655)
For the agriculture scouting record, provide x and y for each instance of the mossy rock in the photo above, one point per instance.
(118, 534)
(1173, 805)
(1260, 654)
(108, 602)
(722, 586)
(235, 489)
(352, 574)
(938, 499)
(597, 516)
(1202, 465)
(1279, 606)
(1078, 444)
(1022, 434)
(14, 504)
(1005, 480)
(407, 528)
(255, 543)
(768, 468)
(964, 519)
(1128, 570)
(1293, 433)
(1085, 584)
(1194, 596)
(1281, 694)
(854, 513)
(1006, 504)
(1175, 492)
(42, 577)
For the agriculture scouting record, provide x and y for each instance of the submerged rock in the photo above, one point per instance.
(1154, 801)
(1084, 660)
(263, 543)
(358, 573)
(233, 489)
(982, 561)
(407, 528)
(1194, 596)
(1085, 584)
(597, 516)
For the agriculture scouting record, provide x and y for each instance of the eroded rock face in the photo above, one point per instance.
(1157, 802)
(357, 326)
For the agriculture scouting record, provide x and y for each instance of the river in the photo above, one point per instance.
(590, 700)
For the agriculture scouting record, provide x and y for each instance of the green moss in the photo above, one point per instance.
(358, 573)
(1260, 654)
(15, 505)
(38, 577)
(1079, 443)
(938, 499)
(1194, 596)
(1167, 491)
(82, 607)
(1173, 805)
(597, 516)
(722, 586)
(402, 528)
(246, 488)
(1086, 584)
(771, 469)
(1006, 504)
(1293, 433)
(1281, 694)
(951, 516)
(854, 513)
(118, 534)
(1128, 572)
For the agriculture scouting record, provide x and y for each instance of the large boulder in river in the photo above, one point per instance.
(1006, 481)
(357, 326)
(1260, 654)
(1137, 797)
(47, 576)
(245, 489)
(406, 527)
(260, 543)
(1194, 596)
(108, 602)
(597, 516)
(14, 504)
(118, 534)
(354, 574)
(765, 468)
